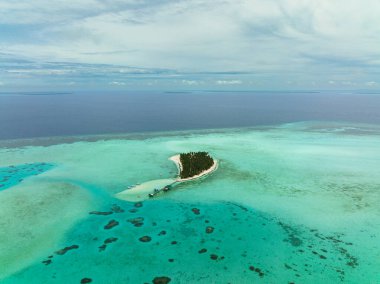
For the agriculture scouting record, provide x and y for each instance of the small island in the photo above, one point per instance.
(193, 165)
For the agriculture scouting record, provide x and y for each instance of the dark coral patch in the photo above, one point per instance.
(196, 211)
(161, 280)
(138, 204)
(86, 280)
(111, 224)
(145, 239)
(174, 242)
(209, 229)
(137, 222)
(117, 209)
(47, 262)
(162, 233)
(110, 240)
(100, 213)
(257, 270)
(102, 247)
(202, 250)
(66, 249)
(106, 242)
(213, 256)
(296, 242)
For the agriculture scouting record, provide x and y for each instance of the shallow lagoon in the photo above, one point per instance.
(293, 203)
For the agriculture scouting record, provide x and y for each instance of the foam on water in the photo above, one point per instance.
(287, 204)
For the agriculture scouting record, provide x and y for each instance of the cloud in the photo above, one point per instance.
(267, 41)
(228, 82)
(371, 84)
(190, 82)
(348, 83)
(116, 83)
(41, 71)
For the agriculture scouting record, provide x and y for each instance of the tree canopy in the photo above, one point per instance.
(193, 163)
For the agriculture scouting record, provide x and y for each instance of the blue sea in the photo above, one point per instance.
(29, 115)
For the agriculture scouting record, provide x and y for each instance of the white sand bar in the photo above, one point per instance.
(141, 192)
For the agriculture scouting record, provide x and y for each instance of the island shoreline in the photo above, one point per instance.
(140, 192)
(177, 161)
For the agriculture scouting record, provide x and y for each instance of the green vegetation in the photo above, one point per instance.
(194, 163)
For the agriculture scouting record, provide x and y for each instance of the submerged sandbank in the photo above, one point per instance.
(34, 216)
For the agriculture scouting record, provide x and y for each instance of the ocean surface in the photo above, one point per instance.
(28, 115)
(294, 200)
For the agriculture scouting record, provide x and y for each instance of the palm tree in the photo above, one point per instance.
(193, 163)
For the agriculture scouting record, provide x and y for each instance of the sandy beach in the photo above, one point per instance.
(140, 192)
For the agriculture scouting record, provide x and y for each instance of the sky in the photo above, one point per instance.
(189, 45)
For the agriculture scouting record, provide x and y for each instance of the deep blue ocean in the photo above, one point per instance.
(28, 115)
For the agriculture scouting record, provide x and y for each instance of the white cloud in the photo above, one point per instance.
(116, 83)
(41, 11)
(190, 82)
(349, 83)
(371, 84)
(296, 40)
(228, 82)
(40, 71)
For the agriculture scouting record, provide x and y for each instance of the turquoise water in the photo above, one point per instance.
(293, 203)
(12, 175)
